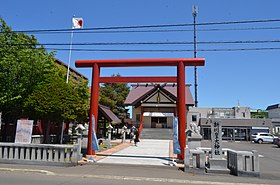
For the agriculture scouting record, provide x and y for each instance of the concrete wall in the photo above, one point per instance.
(241, 122)
(203, 112)
(242, 112)
(134, 112)
(274, 113)
(235, 112)
(147, 122)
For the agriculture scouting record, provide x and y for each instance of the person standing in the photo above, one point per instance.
(136, 137)
(131, 135)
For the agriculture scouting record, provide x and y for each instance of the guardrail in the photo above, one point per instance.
(42, 154)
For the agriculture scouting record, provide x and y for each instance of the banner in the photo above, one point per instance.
(24, 131)
(94, 138)
(176, 145)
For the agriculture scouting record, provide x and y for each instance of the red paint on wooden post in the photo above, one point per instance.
(141, 121)
(93, 106)
(138, 79)
(181, 107)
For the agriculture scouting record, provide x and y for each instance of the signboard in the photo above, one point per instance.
(158, 114)
(24, 131)
(260, 128)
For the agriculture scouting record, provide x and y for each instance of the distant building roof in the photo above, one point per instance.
(108, 114)
(140, 92)
(273, 107)
(72, 71)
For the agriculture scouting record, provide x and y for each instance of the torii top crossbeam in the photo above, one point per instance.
(141, 62)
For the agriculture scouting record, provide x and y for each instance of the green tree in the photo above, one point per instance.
(33, 86)
(23, 64)
(113, 95)
(55, 101)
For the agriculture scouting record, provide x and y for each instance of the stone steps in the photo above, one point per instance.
(156, 133)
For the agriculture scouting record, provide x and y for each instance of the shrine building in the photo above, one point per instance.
(155, 104)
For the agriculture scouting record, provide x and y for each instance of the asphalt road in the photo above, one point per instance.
(29, 179)
(19, 178)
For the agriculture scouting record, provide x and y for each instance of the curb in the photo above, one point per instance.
(166, 180)
(45, 172)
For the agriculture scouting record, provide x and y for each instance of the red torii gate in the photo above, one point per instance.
(180, 80)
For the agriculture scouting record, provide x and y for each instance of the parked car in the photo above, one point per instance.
(263, 137)
(277, 142)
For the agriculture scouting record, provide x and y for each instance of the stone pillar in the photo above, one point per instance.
(256, 161)
(109, 135)
(124, 130)
(217, 163)
(216, 139)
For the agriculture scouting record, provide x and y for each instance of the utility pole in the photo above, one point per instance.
(194, 13)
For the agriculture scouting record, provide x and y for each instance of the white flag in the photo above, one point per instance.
(77, 23)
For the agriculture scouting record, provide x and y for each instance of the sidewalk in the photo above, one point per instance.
(147, 152)
(108, 152)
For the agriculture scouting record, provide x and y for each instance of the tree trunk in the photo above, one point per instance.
(46, 130)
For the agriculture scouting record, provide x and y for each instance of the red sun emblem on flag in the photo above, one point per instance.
(80, 23)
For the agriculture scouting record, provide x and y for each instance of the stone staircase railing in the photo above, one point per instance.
(240, 163)
(243, 163)
(41, 154)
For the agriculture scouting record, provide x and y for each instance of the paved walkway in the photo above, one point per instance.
(147, 152)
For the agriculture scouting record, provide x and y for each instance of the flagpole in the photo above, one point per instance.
(67, 76)
(69, 58)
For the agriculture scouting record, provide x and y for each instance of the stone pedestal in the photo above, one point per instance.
(187, 158)
(198, 158)
(194, 141)
(194, 157)
(217, 166)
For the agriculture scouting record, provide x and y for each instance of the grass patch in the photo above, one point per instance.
(103, 146)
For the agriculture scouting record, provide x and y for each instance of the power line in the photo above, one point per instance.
(158, 50)
(162, 31)
(150, 26)
(167, 50)
(149, 43)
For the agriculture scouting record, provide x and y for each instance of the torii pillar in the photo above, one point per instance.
(180, 63)
(93, 106)
(181, 107)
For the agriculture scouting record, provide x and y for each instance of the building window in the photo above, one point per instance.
(194, 118)
(243, 114)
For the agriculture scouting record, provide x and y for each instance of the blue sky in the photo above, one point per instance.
(247, 77)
